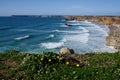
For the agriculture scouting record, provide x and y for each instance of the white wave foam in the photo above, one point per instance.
(51, 36)
(22, 37)
(87, 21)
(63, 40)
(30, 30)
(84, 29)
(56, 30)
(74, 32)
(52, 45)
(83, 38)
(72, 21)
(99, 28)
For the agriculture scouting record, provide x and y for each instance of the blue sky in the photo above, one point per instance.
(59, 7)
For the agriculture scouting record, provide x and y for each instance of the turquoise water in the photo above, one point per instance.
(29, 34)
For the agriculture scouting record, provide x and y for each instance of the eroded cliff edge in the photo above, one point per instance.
(113, 23)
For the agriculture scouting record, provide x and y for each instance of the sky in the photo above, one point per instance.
(59, 7)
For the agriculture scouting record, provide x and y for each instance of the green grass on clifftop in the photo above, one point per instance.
(50, 66)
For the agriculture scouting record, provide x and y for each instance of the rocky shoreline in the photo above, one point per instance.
(113, 23)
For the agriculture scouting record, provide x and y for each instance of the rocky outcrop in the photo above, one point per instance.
(114, 38)
(67, 24)
(106, 20)
(66, 51)
(69, 55)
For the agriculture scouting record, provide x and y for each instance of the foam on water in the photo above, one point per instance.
(22, 37)
(53, 45)
(56, 30)
(84, 29)
(51, 36)
(78, 32)
(83, 38)
(73, 21)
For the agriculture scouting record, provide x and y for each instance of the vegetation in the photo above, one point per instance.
(50, 66)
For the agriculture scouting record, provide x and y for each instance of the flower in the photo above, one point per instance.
(41, 59)
(58, 57)
(49, 60)
(77, 65)
(24, 58)
(67, 62)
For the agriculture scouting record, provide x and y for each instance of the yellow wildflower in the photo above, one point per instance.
(24, 58)
(77, 65)
(49, 60)
(67, 62)
(41, 59)
(58, 57)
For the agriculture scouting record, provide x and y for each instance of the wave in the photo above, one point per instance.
(84, 29)
(56, 30)
(72, 21)
(22, 37)
(74, 32)
(83, 38)
(97, 27)
(28, 30)
(51, 36)
(53, 45)
(6, 28)
(86, 21)
(64, 40)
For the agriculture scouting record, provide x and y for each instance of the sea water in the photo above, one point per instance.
(32, 34)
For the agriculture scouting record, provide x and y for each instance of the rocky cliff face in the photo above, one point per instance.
(101, 19)
(114, 39)
(113, 23)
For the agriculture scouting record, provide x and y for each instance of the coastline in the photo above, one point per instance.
(112, 22)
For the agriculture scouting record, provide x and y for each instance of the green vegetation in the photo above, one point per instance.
(50, 66)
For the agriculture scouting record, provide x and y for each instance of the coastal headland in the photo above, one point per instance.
(112, 22)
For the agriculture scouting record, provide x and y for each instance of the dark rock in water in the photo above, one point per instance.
(67, 24)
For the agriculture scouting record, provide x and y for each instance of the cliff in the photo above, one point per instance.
(114, 38)
(106, 20)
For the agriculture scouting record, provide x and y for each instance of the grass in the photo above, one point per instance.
(50, 66)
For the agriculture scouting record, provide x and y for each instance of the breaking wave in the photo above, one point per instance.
(53, 45)
(22, 37)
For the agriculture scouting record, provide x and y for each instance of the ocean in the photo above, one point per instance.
(32, 34)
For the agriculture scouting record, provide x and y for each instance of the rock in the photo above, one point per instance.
(69, 55)
(67, 24)
(114, 39)
(66, 51)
